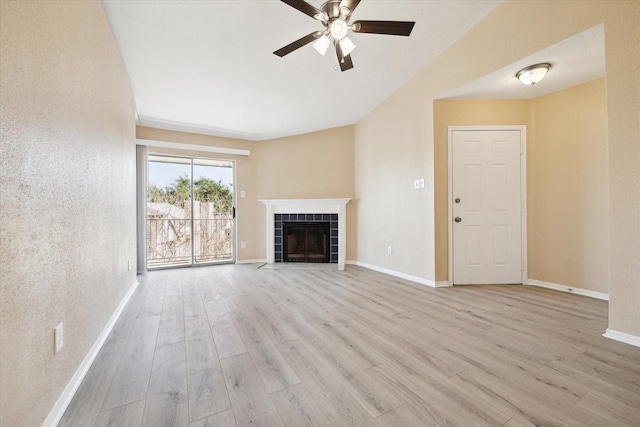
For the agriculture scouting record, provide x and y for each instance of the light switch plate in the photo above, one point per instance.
(58, 337)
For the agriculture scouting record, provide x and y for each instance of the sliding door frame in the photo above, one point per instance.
(142, 212)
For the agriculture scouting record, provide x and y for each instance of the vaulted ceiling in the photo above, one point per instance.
(207, 66)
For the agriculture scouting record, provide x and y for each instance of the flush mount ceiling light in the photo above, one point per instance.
(533, 73)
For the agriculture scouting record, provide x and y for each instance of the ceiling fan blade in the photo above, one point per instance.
(297, 44)
(349, 4)
(344, 61)
(347, 64)
(394, 28)
(304, 7)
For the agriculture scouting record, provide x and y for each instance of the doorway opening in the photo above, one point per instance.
(190, 211)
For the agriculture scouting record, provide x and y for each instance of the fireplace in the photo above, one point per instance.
(281, 211)
(305, 242)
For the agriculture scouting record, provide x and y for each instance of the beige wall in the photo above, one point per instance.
(391, 151)
(314, 165)
(567, 180)
(568, 196)
(397, 139)
(67, 218)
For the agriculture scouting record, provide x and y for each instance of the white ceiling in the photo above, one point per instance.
(574, 61)
(208, 66)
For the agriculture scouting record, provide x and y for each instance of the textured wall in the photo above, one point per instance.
(392, 150)
(622, 45)
(569, 188)
(406, 120)
(67, 195)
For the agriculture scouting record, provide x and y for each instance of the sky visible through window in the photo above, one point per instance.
(162, 175)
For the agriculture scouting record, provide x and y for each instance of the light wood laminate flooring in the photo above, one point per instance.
(241, 345)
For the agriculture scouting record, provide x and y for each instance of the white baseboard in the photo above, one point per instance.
(400, 275)
(251, 261)
(569, 289)
(622, 337)
(56, 413)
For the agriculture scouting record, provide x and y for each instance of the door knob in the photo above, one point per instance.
(457, 219)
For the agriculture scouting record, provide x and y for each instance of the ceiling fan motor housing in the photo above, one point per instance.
(332, 10)
(336, 19)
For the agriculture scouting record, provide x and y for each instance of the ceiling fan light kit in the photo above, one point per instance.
(338, 29)
(322, 44)
(347, 46)
(335, 16)
(533, 74)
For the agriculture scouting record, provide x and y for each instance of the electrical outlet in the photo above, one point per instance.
(243, 245)
(58, 338)
(243, 194)
(388, 250)
(418, 183)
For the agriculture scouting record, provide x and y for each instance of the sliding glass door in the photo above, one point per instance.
(169, 212)
(190, 211)
(213, 211)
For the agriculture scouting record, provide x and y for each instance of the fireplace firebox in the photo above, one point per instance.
(320, 237)
(305, 242)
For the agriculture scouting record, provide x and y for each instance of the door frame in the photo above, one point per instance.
(523, 191)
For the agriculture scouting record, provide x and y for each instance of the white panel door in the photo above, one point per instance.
(486, 207)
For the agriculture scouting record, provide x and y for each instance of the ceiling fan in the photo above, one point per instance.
(335, 16)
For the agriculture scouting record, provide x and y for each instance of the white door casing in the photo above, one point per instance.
(487, 243)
